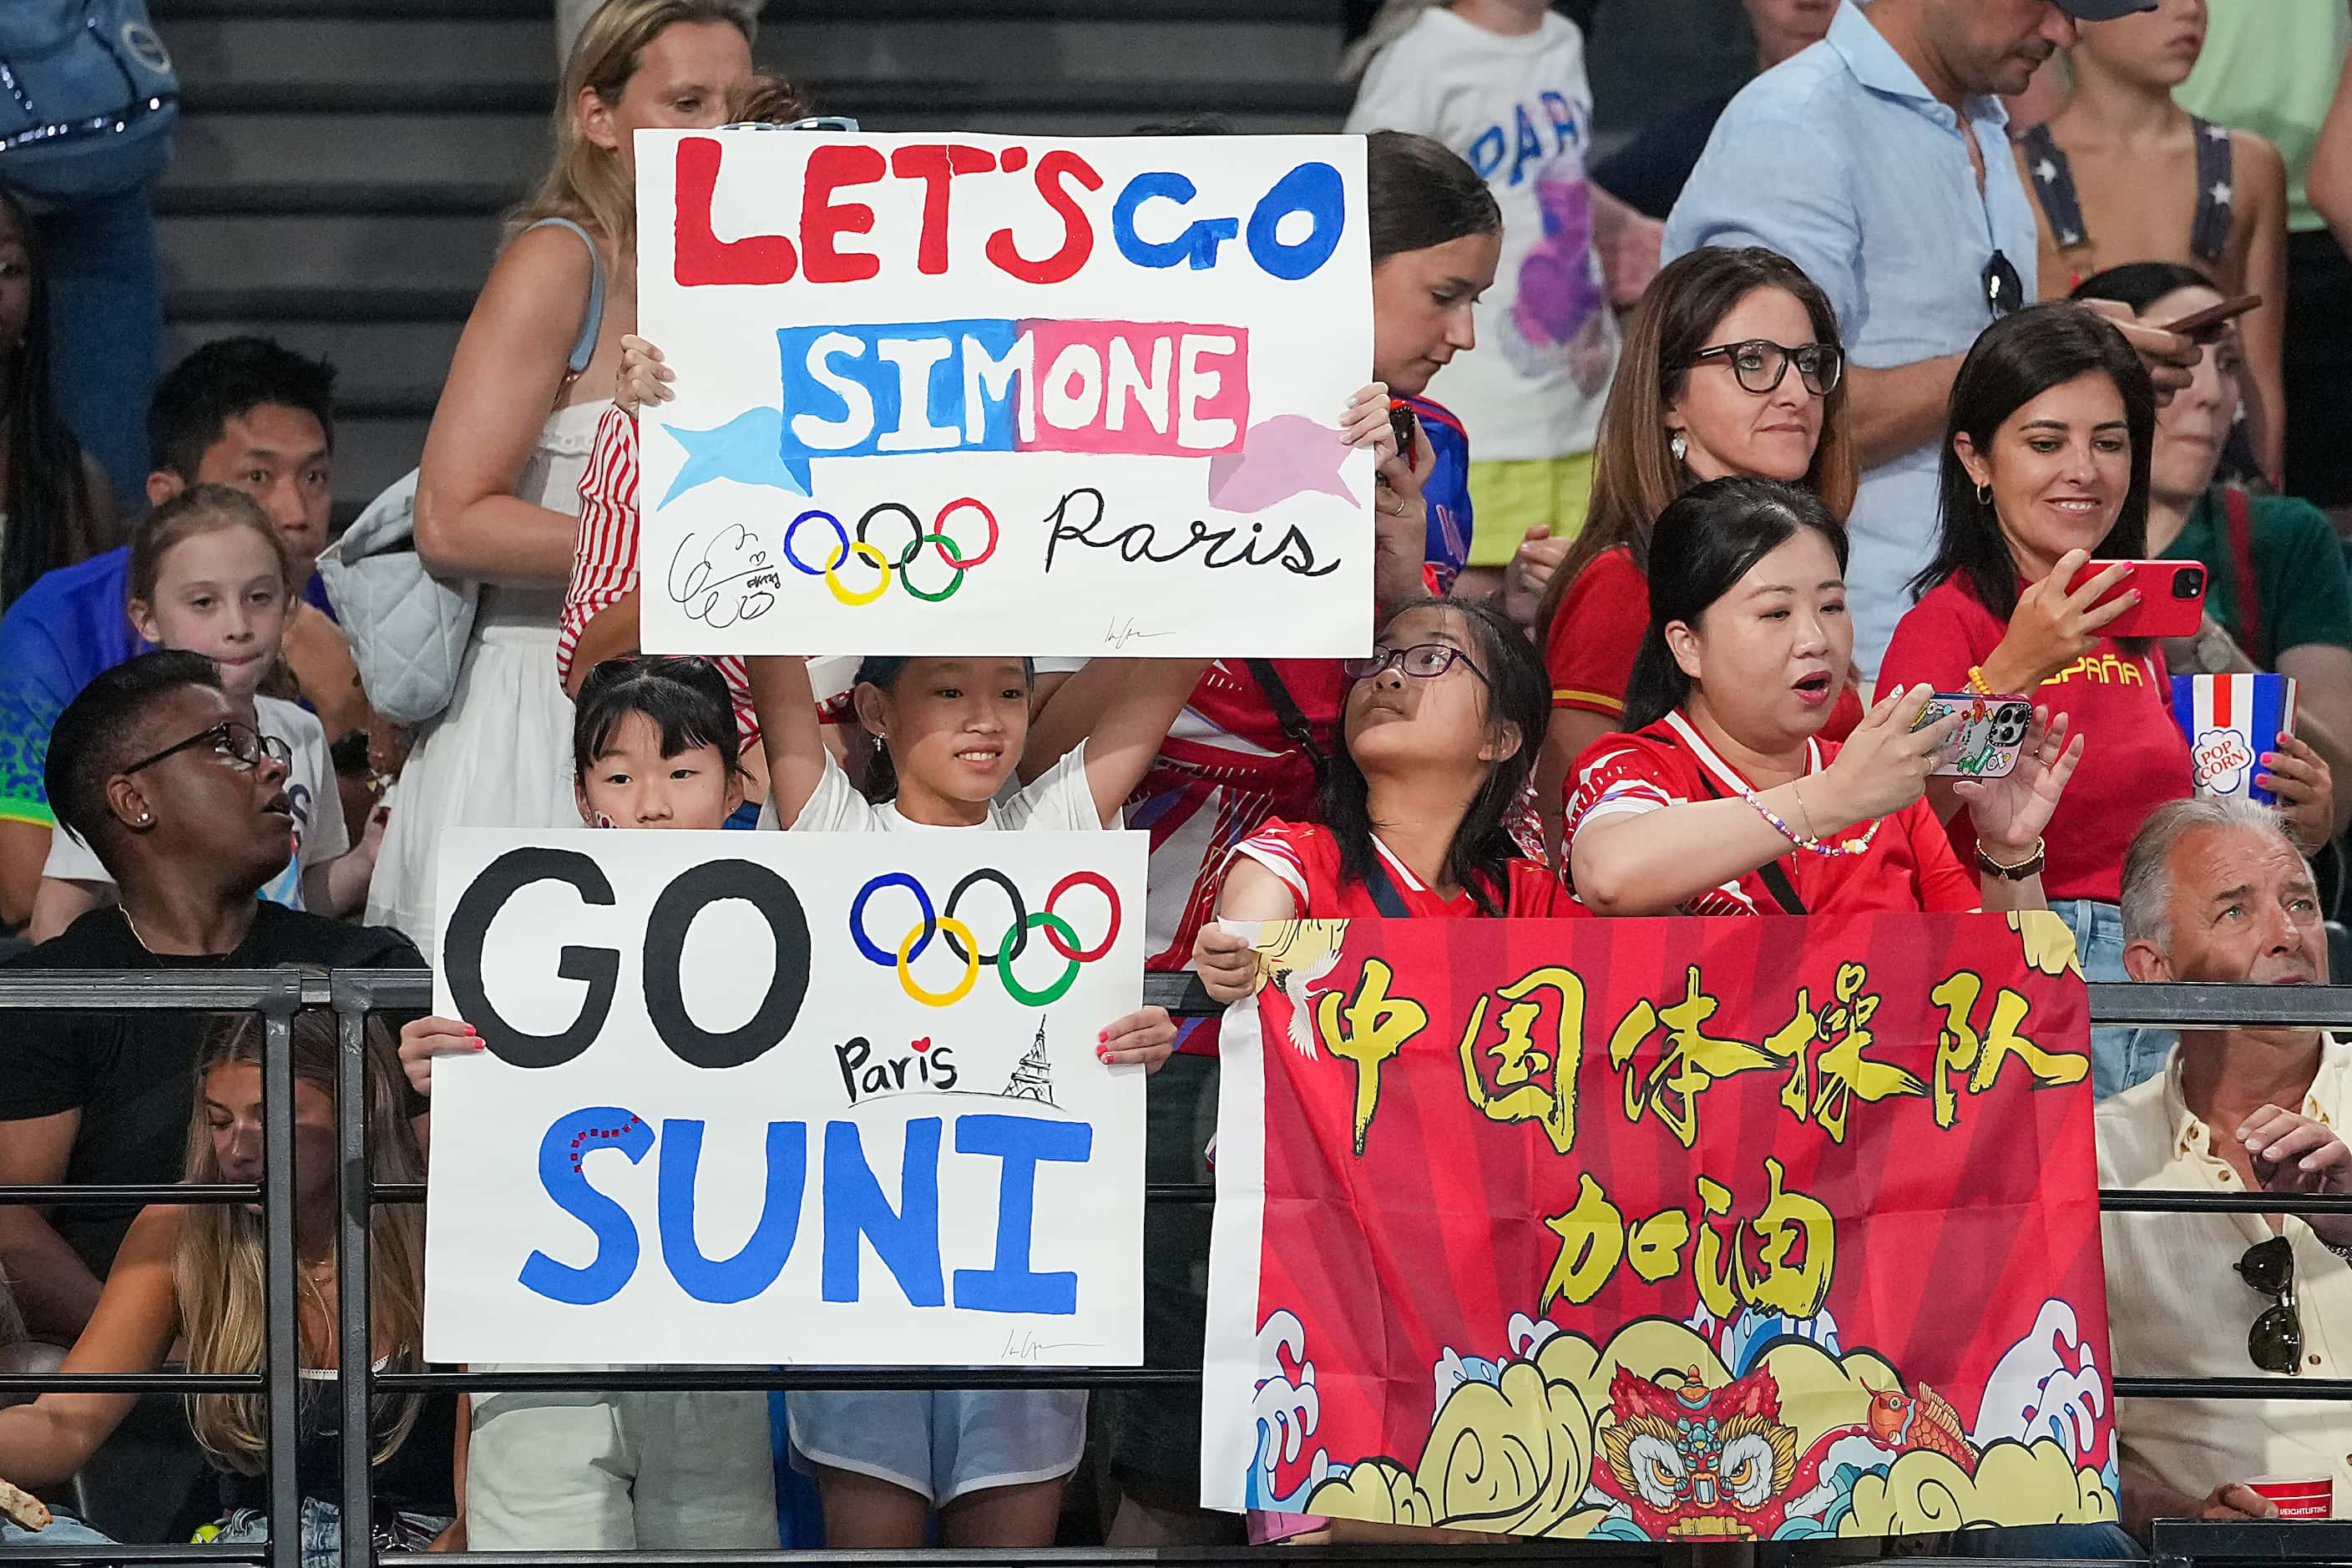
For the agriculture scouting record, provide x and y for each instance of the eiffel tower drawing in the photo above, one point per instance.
(1033, 1078)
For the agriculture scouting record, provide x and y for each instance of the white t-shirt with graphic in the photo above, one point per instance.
(320, 834)
(1519, 110)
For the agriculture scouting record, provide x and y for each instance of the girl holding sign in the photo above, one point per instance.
(946, 733)
(654, 745)
(1442, 721)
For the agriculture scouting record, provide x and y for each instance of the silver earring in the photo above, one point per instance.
(1679, 446)
(143, 818)
(1984, 495)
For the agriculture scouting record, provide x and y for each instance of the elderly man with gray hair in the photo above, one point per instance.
(2214, 890)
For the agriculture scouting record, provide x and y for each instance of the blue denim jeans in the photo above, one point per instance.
(106, 329)
(2120, 1058)
(61, 1531)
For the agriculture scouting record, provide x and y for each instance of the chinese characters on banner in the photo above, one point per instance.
(976, 395)
(1661, 1229)
(677, 1149)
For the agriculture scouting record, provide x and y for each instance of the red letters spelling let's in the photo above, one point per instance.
(829, 210)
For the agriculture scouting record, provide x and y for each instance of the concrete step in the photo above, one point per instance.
(316, 252)
(212, 148)
(510, 56)
(380, 365)
(372, 451)
(874, 100)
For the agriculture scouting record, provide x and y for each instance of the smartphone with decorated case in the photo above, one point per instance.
(1991, 733)
(2171, 598)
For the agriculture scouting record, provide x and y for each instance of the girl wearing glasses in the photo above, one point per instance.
(209, 575)
(1723, 800)
(1441, 728)
(1732, 366)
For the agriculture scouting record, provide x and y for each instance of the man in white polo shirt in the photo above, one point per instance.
(2214, 890)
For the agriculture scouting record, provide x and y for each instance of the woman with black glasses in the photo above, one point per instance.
(1732, 366)
(1723, 800)
(1441, 726)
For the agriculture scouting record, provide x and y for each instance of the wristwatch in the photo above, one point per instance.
(2029, 866)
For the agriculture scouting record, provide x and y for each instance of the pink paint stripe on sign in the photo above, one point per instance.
(1165, 389)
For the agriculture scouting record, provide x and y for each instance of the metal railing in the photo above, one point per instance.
(353, 994)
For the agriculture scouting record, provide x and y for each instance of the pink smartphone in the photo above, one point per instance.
(2171, 598)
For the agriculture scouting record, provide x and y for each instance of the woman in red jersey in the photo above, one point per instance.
(1723, 800)
(1442, 725)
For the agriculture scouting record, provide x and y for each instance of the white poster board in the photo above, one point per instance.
(719, 1120)
(973, 394)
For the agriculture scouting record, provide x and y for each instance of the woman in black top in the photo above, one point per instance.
(194, 1273)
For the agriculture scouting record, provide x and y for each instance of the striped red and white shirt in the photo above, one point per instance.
(605, 556)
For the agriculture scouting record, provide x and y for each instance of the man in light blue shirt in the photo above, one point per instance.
(1878, 161)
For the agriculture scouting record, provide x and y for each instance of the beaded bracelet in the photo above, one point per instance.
(1844, 846)
(1977, 682)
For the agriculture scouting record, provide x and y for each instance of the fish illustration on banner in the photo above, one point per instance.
(675, 1148)
(980, 394)
(1661, 1230)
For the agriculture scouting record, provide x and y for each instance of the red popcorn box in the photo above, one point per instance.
(2230, 721)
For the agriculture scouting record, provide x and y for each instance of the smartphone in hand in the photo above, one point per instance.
(2171, 598)
(1991, 733)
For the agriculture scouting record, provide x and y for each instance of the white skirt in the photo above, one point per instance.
(499, 756)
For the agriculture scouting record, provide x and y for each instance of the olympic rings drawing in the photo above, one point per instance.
(942, 921)
(846, 550)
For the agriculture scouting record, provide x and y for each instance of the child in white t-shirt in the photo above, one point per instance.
(208, 574)
(1501, 82)
(946, 733)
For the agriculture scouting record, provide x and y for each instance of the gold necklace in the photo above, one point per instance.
(136, 935)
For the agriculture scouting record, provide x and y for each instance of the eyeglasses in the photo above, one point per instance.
(242, 743)
(1422, 661)
(2275, 1342)
(2004, 290)
(1762, 364)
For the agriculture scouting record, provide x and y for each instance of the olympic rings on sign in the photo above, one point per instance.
(1057, 930)
(939, 528)
(1020, 914)
(934, 920)
(931, 922)
(916, 937)
(1083, 879)
(860, 549)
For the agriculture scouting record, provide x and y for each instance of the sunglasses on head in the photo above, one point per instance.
(2275, 1342)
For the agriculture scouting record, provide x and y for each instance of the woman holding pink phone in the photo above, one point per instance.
(2045, 468)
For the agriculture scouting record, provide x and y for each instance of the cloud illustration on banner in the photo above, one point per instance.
(747, 449)
(1283, 457)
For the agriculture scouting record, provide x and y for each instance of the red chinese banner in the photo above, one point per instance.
(1661, 1229)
